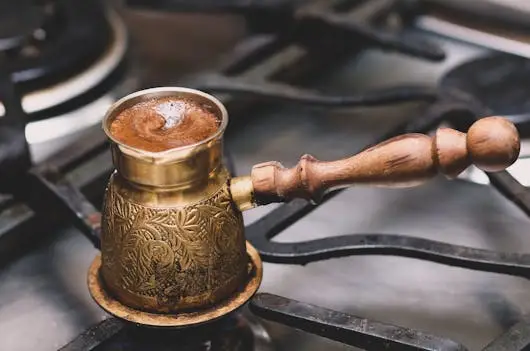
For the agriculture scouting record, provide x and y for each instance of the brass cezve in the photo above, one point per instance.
(172, 230)
(172, 237)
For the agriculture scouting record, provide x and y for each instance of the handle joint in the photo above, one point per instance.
(242, 192)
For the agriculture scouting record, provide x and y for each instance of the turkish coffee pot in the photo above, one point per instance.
(173, 249)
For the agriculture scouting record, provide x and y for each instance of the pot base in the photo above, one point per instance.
(183, 319)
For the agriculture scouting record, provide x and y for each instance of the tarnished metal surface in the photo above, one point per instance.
(92, 337)
(239, 332)
(348, 329)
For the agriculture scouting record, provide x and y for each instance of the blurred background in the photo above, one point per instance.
(63, 64)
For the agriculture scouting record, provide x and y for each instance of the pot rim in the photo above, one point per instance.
(164, 91)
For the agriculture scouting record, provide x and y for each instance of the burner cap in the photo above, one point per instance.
(18, 20)
(500, 82)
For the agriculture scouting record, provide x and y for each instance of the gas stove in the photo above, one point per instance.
(67, 62)
(437, 267)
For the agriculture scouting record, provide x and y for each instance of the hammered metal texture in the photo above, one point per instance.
(171, 259)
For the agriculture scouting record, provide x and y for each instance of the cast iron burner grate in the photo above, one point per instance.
(329, 26)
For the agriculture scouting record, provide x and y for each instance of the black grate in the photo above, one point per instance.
(328, 25)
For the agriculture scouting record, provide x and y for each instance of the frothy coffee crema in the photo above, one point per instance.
(163, 123)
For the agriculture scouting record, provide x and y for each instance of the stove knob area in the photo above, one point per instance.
(492, 144)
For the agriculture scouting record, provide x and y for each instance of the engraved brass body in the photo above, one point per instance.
(171, 258)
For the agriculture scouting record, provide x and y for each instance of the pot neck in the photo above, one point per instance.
(173, 170)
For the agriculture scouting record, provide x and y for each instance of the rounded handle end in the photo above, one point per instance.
(493, 144)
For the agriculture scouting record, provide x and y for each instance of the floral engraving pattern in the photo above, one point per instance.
(181, 257)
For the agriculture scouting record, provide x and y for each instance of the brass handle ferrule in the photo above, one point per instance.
(242, 192)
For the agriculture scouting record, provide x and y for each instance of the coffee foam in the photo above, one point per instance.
(172, 111)
(162, 124)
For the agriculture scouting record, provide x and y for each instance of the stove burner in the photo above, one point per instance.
(66, 62)
(500, 82)
(237, 332)
(18, 21)
(51, 40)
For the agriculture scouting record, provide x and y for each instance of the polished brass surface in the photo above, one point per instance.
(242, 192)
(172, 233)
(182, 167)
(109, 303)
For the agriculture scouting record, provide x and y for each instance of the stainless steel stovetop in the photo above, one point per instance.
(44, 302)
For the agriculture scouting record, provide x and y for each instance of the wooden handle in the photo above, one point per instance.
(492, 144)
